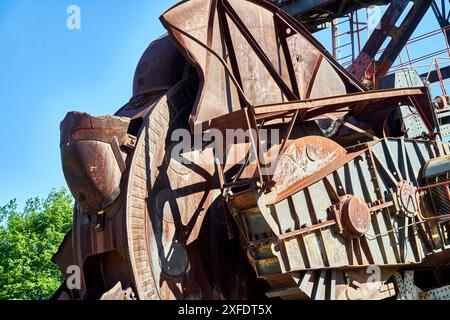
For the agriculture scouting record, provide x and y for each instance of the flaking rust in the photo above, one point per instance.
(331, 210)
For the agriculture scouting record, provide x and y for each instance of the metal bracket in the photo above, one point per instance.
(120, 158)
(129, 141)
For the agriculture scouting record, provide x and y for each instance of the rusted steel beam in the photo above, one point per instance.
(282, 33)
(349, 125)
(442, 16)
(433, 76)
(365, 67)
(223, 22)
(400, 37)
(256, 145)
(338, 101)
(231, 13)
(378, 37)
(314, 109)
(293, 234)
(301, 231)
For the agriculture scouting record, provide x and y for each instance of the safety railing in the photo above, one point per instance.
(439, 193)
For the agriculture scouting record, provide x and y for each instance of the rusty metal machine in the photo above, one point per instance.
(249, 164)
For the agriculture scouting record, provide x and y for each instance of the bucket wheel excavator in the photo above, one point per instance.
(249, 164)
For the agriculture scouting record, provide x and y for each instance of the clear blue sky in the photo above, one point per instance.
(47, 70)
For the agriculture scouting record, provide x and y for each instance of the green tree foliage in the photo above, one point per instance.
(28, 240)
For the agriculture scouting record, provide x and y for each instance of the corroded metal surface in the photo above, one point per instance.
(358, 213)
(303, 219)
(233, 44)
(303, 158)
(355, 215)
(91, 167)
(367, 66)
(163, 59)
